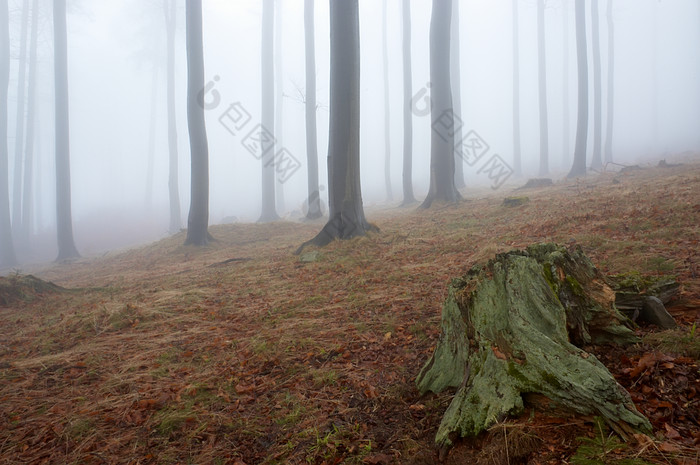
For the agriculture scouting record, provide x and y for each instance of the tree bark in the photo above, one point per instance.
(611, 85)
(387, 104)
(7, 249)
(511, 333)
(407, 177)
(542, 62)
(579, 165)
(20, 121)
(267, 144)
(198, 219)
(517, 151)
(456, 70)
(28, 184)
(170, 10)
(597, 161)
(64, 221)
(442, 137)
(314, 199)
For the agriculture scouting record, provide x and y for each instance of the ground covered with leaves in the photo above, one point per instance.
(243, 353)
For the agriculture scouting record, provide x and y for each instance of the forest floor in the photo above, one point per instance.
(241, 353)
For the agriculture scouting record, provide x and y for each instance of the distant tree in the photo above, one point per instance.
(19, 122)
(198, 220)
(597, 161)
(170, 11)
(408, 197)
(279, 97)
(27, 195)
(611, 85)
(566, 114)
(314, 200)
(7, 250)
(347, 216)
(456, 70)
(579, 165)
(387, 103)
(267, 144)
(542, 65)
(64, 217)
(517, 151)
(442, 141)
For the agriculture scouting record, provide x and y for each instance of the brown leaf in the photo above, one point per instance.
(671, 432)
(669, 447)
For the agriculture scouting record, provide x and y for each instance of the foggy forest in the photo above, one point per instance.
(345, 231)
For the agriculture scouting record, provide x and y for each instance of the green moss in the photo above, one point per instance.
(575, 286)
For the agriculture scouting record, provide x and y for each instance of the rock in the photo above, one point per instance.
(653, 311)
(515, 201)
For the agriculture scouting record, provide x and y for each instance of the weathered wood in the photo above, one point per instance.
(508, 332)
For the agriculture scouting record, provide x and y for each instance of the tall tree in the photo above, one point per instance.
(456, 70)
(442, 159)
(408, 197)
(387, 104)
(267, 143)
(579, 165)
(19, 124)
(542, 66)
(28, 184)
(611, 85)
(7, 250)
(597, 161)
(198, 219)
(314, 200)
(566, 117)
(517, 151)
(64, 216)
(279, 96)
(170, 11)
(347, 216)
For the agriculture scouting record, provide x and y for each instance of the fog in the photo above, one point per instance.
(115, 47)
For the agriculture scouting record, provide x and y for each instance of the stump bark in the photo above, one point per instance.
(510, 332)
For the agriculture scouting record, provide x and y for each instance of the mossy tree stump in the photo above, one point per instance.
(510, 332)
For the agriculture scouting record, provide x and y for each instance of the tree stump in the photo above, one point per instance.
(510, 332)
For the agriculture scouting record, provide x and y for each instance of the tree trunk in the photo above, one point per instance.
(64, 220)
(566, 118)
(7, 249)
(442, 137)
(314, 200)
(407, 178)
(517, 151)
(279, 98)
(387, 104)
(170, 9)
(597, 161)
(611, 85)
(347, 216)
(28, 183)
(267, 144)
(198, 219)
(456, 69)
(542, 61)
(19, 127)
(579, 164)
(511, 333)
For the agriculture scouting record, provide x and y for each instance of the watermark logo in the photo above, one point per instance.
(472, 148)
(497, 170)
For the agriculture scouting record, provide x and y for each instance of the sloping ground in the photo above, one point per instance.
(172, 354)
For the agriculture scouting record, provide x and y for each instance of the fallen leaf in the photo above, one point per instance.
(671, 432)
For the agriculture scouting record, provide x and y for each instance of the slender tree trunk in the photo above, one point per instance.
(611, 85)
(64, 220)
(442, 146)
(408, 197)
(566, 113)
(387, 104)
(517, 151)
(542, 61)
(279, 98)
(267, 144)
(152, 138)
(456, 69)
(198, 220)
(170, 10)
(579, 165)
(314, 200)
(597, 162)
(7, 250)
(347, 216)
(19, 128)
(28, 184)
